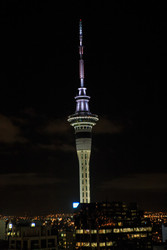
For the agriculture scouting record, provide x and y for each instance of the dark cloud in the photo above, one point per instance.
(56, 126)
(59, 147)
(9, 132)
(149, 181)
(30, 179)
(30, 112)
(106, 126)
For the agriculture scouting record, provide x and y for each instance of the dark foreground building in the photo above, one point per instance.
(31, 235)
(113, 225)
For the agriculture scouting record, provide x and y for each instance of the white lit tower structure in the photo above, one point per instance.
(83, 121)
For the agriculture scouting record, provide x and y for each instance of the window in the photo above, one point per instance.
(116, 230)
(93, 231)
(79, 231)
(109, 243)
(108, 230)
(102, 231)
(94, 244)
(86, 244)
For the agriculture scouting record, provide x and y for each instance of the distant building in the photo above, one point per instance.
(3, 230)
(66, 240)
(31, 235)
(3, 237)
(164, 232)
(159, 247)
(113, 225)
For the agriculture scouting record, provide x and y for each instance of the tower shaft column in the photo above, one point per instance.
(84, 178)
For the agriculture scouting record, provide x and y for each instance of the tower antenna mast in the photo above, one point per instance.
(81, 61)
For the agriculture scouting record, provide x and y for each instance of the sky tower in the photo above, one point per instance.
(83, 121)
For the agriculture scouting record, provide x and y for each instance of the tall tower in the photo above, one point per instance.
(83, 121)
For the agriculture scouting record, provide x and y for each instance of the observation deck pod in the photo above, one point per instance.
(83, 119)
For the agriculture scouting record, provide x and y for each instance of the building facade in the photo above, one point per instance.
(31, 235)
(111, 225)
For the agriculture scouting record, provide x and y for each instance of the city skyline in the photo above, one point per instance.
(124, 56)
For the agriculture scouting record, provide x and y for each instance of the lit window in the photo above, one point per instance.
(86, 244)
(102, 244)
(108, 230)
(93, 231)
(94, 244)
(136, 236)
(87, 231)
(125, 230)
(143, 235)
(116, 230)
(79, 231)
(109, 243)
(102, 231)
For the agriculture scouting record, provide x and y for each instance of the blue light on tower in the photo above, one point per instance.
(75, 204)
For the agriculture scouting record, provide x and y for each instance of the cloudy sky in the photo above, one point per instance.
(125, 63)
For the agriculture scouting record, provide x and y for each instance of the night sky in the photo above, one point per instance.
(125, 54)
